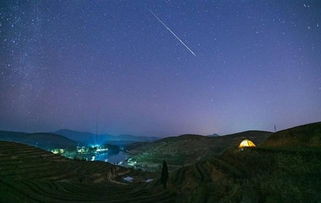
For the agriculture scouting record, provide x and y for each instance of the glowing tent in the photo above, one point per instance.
(246, 144)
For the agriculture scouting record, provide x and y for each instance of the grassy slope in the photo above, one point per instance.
(187, 149)
(279, 171)
(42, 140)
(301, 136)
(251, 176)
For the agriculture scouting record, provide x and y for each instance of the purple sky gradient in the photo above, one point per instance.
(72, 64)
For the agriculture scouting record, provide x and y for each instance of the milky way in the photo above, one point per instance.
(72, 64)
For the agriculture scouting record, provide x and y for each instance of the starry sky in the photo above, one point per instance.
(159, 68)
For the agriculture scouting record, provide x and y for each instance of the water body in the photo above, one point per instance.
(112, 158)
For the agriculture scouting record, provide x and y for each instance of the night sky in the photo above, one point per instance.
(159, 68)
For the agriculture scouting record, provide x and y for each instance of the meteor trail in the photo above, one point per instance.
(172, 32)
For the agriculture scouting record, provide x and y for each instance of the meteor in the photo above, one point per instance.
(172, 32)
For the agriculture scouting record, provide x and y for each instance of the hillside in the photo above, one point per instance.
(91, 138)
(301, 136)
(262, 174)
(42, 140)
(29, 174)
(251, 176)
(186, 149)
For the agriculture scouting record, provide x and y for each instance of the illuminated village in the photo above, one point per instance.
(87, 152)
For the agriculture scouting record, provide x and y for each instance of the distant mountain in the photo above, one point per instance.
(213, 135)
(83, 137)
(91, 138)
(41, 140)
(132, 138)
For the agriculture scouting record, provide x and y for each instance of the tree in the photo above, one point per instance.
(164, 175)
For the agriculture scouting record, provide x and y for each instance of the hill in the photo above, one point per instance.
(261, 174)
(300, 137)
(268, 173)
(42, 140)
(186, 149)
(251, 176)
(91, 138)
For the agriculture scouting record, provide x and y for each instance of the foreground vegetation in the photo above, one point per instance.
(257, 175)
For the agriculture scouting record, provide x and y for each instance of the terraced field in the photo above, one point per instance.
(285, 168)
(29, 174)
(258, 175)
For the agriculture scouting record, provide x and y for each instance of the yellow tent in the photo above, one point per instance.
(246, 143)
